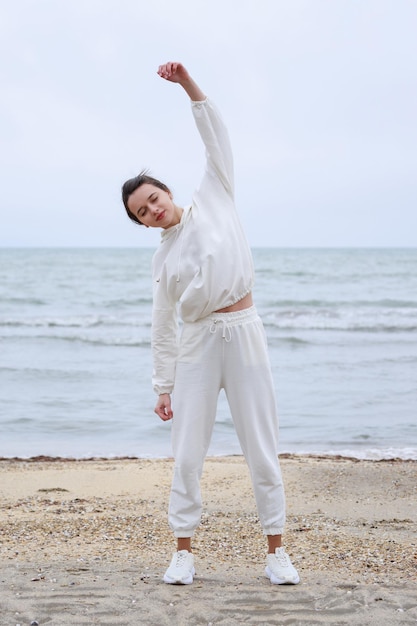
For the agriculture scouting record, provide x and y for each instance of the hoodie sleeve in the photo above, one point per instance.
(164, 344)
(216, 140)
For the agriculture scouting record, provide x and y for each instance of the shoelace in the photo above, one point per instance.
(181, 558)
(281, 557)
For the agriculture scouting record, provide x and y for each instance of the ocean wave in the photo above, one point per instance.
(22, 300)
(366, 454)
(285, 323)
(94, 341)
(341, 319)
(41, 372)
(385, 303)
(359, 328)
(335, 325)
(161, 449)
(294, 340)
(130, 302)
(87, 321)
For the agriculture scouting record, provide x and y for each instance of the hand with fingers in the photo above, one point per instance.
(163, 407)
(175, 72)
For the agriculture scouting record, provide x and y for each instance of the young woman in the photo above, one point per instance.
(203, 273)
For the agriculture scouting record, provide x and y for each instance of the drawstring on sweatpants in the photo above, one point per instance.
(226, 334)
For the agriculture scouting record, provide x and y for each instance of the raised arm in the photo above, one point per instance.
(209, 123)
(176, 73)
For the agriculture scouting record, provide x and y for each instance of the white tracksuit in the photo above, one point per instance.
(204, 264)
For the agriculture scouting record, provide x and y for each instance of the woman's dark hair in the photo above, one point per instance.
(134, 183)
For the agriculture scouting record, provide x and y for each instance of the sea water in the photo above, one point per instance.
(75, 358)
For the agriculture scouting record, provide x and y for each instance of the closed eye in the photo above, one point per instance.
(152, 198)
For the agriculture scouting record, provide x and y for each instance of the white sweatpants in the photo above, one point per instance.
(225, 350)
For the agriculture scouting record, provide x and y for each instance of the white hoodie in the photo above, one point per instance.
(204, 263)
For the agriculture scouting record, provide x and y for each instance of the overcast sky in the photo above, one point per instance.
(320, 98)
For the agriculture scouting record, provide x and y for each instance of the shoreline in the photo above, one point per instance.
(39, 458)
(87, 541)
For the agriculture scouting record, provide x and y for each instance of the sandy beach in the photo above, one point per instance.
(87, 542)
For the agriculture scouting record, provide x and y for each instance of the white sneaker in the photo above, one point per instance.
(181, 569)
(280, 570)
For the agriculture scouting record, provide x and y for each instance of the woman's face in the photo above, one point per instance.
(154, 207)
